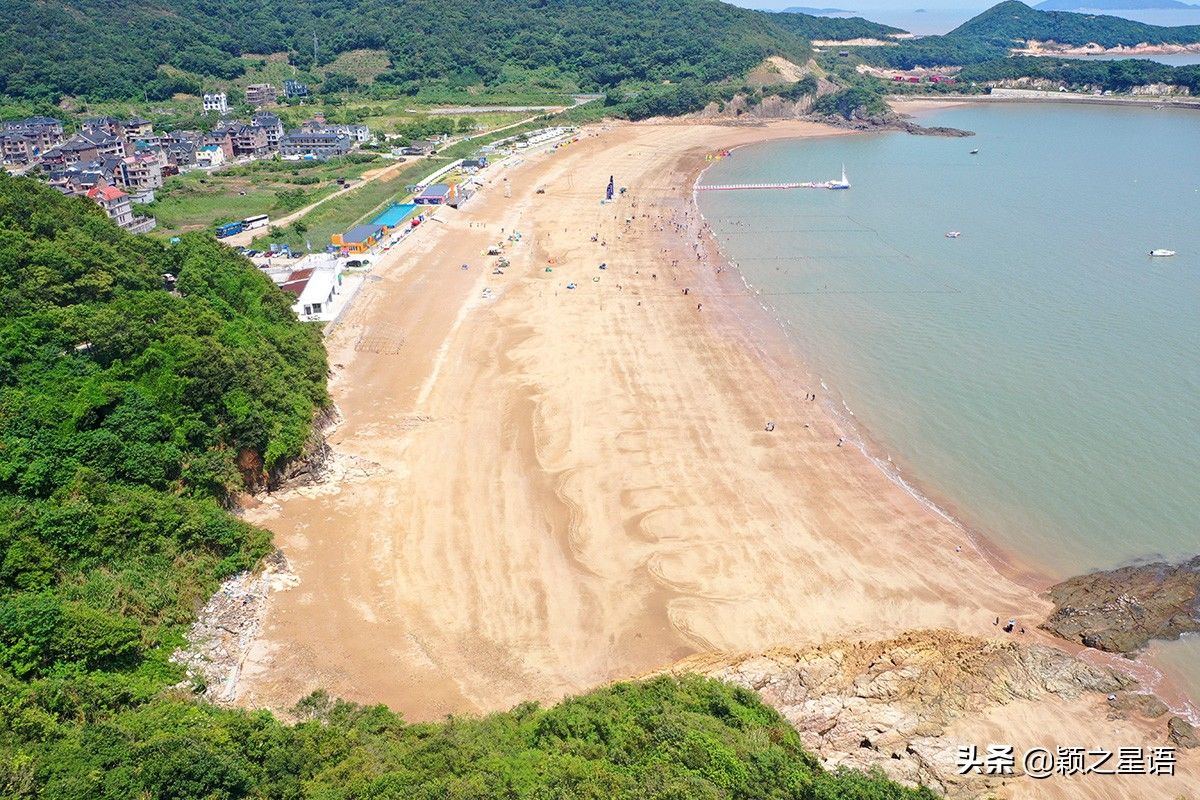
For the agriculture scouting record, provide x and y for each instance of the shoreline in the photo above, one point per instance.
(571, 487)
(1006, 561)
(1154, 676)
(901, 103)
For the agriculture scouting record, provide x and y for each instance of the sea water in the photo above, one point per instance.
(1039, 375)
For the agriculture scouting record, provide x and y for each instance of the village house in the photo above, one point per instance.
(221, 139)
(260, 94)
(273, 127)
(117, 206)
(141, 174)
(182, 155)
(217, 102)
(114, 202)
(209, 156)
(137, 128)
(247, 140)
(473, 165)
(24, 141)
(292, 88)
(298, 144)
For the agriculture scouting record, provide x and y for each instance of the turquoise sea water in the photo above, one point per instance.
(1040, 375)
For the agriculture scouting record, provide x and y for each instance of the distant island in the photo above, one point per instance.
(818, 12)
(1113, 5)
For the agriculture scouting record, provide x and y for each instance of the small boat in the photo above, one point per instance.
(975, 152)
(953, 234)
(841, 184)
(1162, 253)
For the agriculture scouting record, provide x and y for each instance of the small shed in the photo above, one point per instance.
(436, 195)
(359, 239)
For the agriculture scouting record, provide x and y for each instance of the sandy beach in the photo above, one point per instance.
(555, 488)
(576, 485)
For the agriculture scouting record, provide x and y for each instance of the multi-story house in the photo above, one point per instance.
(273, 127)
(24, 141)
(248, 140)
(260, 94)
(182, 154)
(137, 128)
(119, 208)
(209, 156)
(314, 145)
(221, 139)
(116, 204)
(293, 88)
(217, 102)
(141, 174)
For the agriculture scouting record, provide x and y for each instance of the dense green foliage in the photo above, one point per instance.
(123, 410)
(854, 102)
(1117, 76)
(992, 34)
(813, 27)
(665, 738)
(110, 49)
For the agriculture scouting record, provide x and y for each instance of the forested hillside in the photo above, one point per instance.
(992, 34)
(1014, 21)
(103, 49)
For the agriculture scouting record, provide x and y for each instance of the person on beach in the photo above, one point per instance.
(770, 426)
(699, 306)
(840, 440)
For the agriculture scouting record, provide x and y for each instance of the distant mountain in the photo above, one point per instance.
(1012, 21)
(816, 12)
(1111, 5)
(813, 26)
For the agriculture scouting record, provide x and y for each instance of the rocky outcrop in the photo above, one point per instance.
(1121, 610)
(224, 630)
(1182, 733)
(887, 122)
(886, 704)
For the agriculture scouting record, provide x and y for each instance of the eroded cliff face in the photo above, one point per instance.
(905, 705)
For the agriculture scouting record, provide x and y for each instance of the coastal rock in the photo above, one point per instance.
(887, 122)
(226, 627)
(1120, 610)
(1182, 733)
(886, 704)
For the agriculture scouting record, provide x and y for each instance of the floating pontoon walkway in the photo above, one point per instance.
(738, 187)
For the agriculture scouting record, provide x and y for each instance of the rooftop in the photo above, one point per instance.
(362, 233)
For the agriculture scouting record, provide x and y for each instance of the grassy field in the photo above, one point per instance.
(199, 200)
(342, 213)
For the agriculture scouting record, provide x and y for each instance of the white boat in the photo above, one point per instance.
(975, 152)
(1162, 253)
(843, 183)
(953, 234)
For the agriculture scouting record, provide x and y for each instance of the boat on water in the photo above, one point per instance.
(953, 234)
(840, 184)
(1162, 253)
(975, 152)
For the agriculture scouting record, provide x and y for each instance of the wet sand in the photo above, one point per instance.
(575, 486)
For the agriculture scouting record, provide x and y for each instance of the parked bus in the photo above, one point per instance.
(229, 229)
(260, 221)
